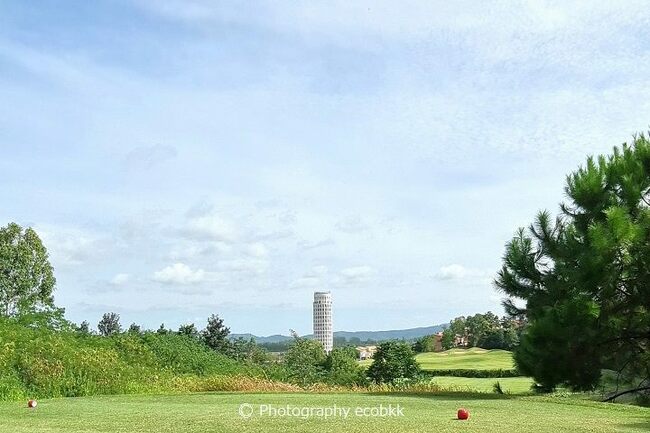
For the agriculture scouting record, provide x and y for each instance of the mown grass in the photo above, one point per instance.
(463, 359)
(219, 413)
(471, 359)
(510, 385)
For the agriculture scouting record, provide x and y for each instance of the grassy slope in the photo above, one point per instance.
(471, 359)
(511, 385)
(219, 413)
(474, 359)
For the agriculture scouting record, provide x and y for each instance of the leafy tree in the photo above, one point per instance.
(511, 332)
(189, 330)
(249, 351)
(215, 335)
(84, 328)
(342, 367)
(479, 325)
(109, 325)
(280, 346)
(493, 339)
(305, 361)
(393, 360)
(583, 277)
(162, 330)
(134, 329)
(448, 338)
(425, 344)
(26, 276)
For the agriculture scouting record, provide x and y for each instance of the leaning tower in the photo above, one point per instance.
(323, 319)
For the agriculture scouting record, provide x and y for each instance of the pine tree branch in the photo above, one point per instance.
(628, 391)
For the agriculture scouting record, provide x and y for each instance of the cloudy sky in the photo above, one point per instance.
(182, 158)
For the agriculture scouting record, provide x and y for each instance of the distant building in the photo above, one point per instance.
(366, 352)
(437, 345)
(323, 319)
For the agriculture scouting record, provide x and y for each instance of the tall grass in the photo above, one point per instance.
(38, 362)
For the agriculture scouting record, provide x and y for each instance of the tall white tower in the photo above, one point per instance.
(323, 319)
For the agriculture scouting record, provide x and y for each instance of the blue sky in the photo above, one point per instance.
(183, 158)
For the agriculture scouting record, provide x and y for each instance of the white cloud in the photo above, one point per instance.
(257, 249)
(357, 274)
(179, 273)
(352, 225)
(250, 266)
(147, 157)
(199, 250)
(459, 272)
(210, 227)
(317, 271)
(72, 246)
(307, 283)
(120, 279)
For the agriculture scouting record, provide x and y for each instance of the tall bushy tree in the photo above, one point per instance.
(134, 329)
(189, 330)
(584, 277)
(26, 276)
(305, 361)
(215, 335)
(343, 367)
(426, 343)
(109, 325)
(393, 360)
(448, 338)
(84, 328)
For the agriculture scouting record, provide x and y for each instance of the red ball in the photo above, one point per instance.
(31, 403)
(463, 414)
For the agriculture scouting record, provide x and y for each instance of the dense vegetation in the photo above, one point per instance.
(584, 277)
(394, 360)
(487, 331)
(36, 361)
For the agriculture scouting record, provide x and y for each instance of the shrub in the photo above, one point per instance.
(472, 373)
(40, 362)
(393, 360)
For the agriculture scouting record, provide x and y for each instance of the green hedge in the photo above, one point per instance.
(473, 373)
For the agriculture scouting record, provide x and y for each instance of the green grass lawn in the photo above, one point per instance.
(471, 359)
(510, 385)
(219, 413)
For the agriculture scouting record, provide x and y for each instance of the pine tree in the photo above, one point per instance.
(215, 335)
(585, 277)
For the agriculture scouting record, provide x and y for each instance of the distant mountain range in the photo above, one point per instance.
(393, 334)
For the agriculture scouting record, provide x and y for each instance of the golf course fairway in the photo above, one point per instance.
(220, 412)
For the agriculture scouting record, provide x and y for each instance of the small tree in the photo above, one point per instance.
(84, 328)
(109, 325)
(447, 339)
(26, 275)
(189, 330)
(305, 361)
(215, 335)
(162, 330)
(425, 344)
(134, 329)
(249, 351)
(393, 360)
(342, 367)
